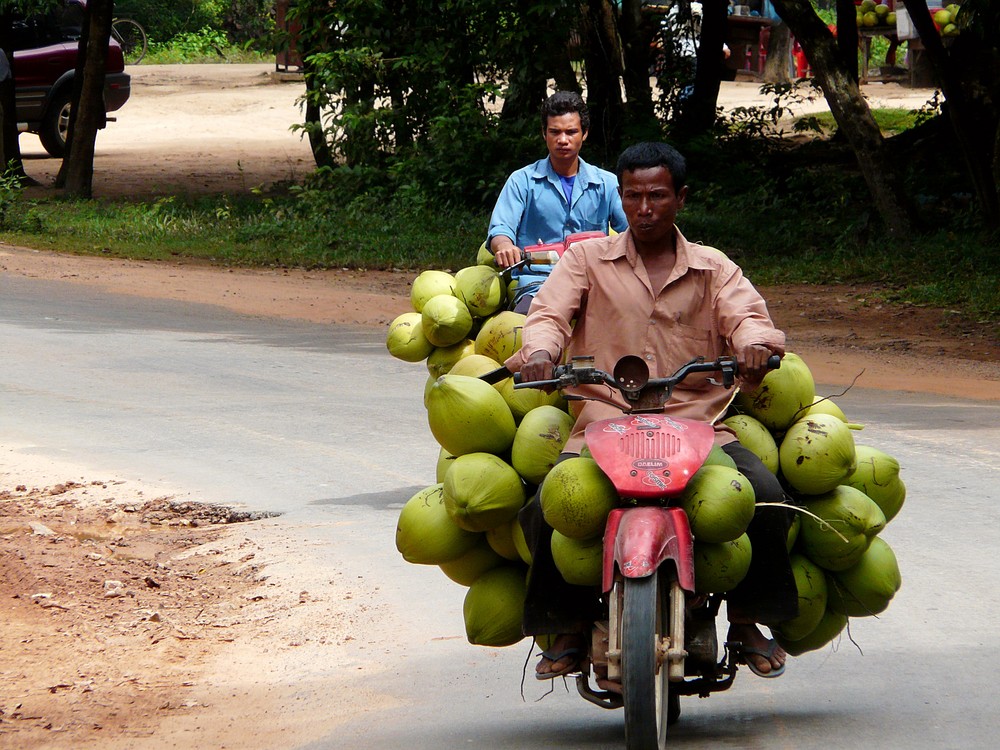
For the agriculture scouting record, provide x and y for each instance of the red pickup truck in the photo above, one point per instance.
(44, 65)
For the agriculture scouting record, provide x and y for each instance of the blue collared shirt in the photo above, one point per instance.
(532, 206)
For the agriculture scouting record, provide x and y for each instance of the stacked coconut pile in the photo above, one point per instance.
(498, 443)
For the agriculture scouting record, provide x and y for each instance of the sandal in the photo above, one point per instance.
(574, 666)
(767, 654)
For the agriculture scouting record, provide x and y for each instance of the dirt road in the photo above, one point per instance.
(126, 612)
(195, 129)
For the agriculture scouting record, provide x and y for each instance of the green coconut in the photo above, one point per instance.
(756, 438)
(877, 475)
(481, 289)
(430, 284)
(425, 533)
(494, 607)
(501, 539)
(816, 454)
(444, 358)
(867, 587)
(841, 525)
(718, 457)
(793, 531)
(520, 543)
(538, 441)
(467, 568)
(468, 415)
(719, 503)
(446, 320)
(825, 405)
(444, 462)
(484, 257)
(830, 626)
(810, 581)
(579, 561)
(482, 491)
(576, 498)
(523, 400)
(476, 365)
(406, 340)
(428, 384)
(782, 396)
(720, 566)
(500, 335)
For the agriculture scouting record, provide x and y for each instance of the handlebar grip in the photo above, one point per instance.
(773, 362)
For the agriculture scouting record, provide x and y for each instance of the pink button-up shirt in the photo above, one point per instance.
(599, 301)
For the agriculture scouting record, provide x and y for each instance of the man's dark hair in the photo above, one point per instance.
(650, 155)
(565, 103)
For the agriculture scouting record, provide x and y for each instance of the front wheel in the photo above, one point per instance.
(645, 685)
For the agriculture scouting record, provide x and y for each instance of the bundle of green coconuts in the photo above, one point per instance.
(498, 443)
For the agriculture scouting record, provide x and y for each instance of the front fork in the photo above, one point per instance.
(639, 542)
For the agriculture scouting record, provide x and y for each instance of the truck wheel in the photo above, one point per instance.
(55, 126)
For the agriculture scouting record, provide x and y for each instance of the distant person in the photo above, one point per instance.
(555, 197)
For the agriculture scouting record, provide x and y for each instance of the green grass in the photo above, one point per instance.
(890, 121)
(250, 230)
(204, 46)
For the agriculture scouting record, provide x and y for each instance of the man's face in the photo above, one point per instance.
(564, 136)
(651, 203)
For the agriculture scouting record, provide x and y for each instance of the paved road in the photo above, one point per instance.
(319, 424)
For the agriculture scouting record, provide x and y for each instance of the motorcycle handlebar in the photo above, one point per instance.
(632, 381)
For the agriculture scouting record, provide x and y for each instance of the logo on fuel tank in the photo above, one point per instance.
(650, 464)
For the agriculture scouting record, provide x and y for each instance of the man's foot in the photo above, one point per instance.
(762, 655)
(564, 656)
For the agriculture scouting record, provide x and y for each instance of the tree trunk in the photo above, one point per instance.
(321, 151)
(851, 112)
(698, 113)
(526, 84)
(636, 37)
(87, 114)
(10, 148)
(602, 60)
(974, 132)
(779, 49)
(847, 36)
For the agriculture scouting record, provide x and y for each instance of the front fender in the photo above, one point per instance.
(638, 540)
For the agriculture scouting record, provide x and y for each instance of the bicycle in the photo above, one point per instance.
(132, 38)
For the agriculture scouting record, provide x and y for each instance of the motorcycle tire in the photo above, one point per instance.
(649, 708)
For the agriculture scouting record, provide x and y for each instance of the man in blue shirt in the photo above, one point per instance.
(554, 197)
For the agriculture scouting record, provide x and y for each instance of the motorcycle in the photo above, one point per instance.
(531, 269)
(658, 641)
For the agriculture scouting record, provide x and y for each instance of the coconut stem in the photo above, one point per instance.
(812, 515)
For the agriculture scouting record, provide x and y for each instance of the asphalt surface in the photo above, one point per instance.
(320, 424)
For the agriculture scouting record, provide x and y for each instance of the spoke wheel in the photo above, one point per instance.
(645, 687)
(132, 37)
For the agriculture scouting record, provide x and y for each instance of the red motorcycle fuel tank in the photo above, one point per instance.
(649, 456)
